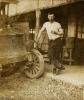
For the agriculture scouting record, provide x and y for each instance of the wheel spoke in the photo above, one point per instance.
(35, 58)
(36, 61)
(30, 71)
(37, 68)
(34, 71)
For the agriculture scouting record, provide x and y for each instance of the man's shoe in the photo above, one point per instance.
(58, 71)
(62, 67)
(54, 70)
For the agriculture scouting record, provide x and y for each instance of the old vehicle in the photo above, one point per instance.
(14, 52)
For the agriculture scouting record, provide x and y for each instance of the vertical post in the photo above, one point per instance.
(0, 8)
(52, 2)
(38, 14)
(0, 70)
(71, 23)
(7, 9)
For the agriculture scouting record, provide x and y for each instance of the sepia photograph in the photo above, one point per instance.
(41, 50)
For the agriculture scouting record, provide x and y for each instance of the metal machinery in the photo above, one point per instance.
(13, 51)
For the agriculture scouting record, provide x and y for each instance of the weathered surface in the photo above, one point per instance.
(25, 6)
(12, 48)
(17, 87)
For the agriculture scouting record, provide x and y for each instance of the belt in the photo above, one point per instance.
(55, 39)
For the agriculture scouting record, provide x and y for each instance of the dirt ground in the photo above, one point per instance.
(18, 87)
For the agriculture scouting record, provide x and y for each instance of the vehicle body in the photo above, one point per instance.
(15, 52)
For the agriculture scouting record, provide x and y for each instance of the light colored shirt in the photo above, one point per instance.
(54, 30)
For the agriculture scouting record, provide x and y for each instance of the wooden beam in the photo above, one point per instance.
(38, 14)
(9, 1)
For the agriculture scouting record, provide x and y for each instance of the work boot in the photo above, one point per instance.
(58, 71)
(54, 70)
(59, 65)
(62, 67)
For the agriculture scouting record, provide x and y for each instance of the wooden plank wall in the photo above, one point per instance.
(25, 6)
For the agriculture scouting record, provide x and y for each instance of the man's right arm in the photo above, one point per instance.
(40, 32)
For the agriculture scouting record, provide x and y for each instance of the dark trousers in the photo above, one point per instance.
(54, 50)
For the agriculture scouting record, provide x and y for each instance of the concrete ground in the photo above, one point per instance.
(65, 86)
(73, 74)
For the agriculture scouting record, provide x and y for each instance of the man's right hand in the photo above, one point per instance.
(37, 40)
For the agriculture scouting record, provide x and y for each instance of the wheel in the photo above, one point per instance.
(34, 67)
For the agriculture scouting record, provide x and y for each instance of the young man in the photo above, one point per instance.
(55, 32)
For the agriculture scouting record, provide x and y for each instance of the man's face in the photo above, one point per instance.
(51, 17)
